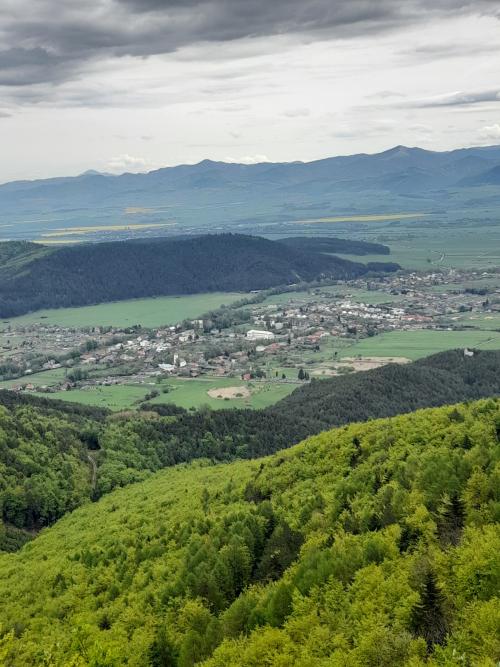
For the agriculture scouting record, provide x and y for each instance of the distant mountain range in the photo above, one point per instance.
(218, 192)
(34, 276)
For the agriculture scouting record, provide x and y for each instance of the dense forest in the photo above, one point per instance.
(332, 244)
(55, 456)
(94, 273)
(442, 378)
(374, 544)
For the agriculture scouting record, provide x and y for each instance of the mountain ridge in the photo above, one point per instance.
(398, 150)
(94, 186)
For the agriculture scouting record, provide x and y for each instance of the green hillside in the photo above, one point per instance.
(374, 544)
(55, 456)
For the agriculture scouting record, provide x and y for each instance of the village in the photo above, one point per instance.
(285, 337)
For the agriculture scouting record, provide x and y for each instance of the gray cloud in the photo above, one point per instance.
(48, 42)
(447, 50)
(461, 99)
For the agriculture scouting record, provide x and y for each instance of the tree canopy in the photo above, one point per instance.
(372, 544)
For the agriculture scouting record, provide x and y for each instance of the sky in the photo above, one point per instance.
(134, 85)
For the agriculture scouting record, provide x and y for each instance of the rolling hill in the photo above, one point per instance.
(372, 544)
(34, 277)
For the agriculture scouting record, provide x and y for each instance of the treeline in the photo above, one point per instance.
(50, 448)
(374, 544)
(95, 273)
(332, 244)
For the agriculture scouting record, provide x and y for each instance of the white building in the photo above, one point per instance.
(167, 368)
(256, 334)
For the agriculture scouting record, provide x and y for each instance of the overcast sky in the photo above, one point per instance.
(132, 85)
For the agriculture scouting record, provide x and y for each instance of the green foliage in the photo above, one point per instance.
(55, 456)
(43, 472)
(299, 559)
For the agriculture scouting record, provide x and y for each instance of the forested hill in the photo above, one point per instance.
(375, 544)
(95, 273)
(332, 244)
(56, 456)
(442, 378)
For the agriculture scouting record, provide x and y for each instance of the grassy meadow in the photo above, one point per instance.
(417, 344)
(44, 378)
(188, 393)
(152, 312)
(485, 321)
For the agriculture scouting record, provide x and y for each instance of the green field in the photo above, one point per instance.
(193, 393)
(287, 297)
(433, 245)
(416, 344)
(185, 393)
(485, 321)
(116, 397)
(152, 312)
(45, 378)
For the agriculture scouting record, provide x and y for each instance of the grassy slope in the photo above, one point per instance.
(107, 581)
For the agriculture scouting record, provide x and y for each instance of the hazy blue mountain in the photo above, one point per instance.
(217, 193)
(488, 177)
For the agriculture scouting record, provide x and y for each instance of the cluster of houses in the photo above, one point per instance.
(413, 301)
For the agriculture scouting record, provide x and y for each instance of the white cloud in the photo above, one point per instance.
(490, 132)
(248, 159)
(125, 162)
